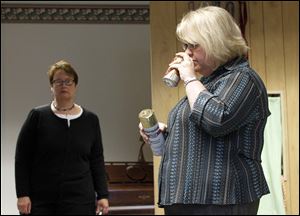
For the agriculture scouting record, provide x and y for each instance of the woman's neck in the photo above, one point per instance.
(63, 105)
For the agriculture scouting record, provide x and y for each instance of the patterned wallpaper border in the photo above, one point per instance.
(102, 14)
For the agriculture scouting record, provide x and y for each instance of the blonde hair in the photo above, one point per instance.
(215, 31)
(65, 66)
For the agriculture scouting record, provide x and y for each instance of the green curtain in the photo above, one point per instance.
(272, 204)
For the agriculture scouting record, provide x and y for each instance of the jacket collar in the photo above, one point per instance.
(228, 67)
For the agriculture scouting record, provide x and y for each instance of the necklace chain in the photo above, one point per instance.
(67, 109)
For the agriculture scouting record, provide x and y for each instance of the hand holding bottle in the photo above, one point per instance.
(151, 132)
(162, 128)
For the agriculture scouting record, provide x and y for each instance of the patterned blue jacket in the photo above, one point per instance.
(212, 153)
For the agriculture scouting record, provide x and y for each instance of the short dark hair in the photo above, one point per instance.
(65, 66)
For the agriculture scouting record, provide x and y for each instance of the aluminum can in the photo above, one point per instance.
(151, 128)
(171, 79)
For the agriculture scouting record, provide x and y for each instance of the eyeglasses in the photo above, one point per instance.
(61, 82)
(186, 46)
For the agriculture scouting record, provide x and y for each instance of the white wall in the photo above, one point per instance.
(113, 63)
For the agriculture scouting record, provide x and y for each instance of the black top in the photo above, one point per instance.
(57, 162)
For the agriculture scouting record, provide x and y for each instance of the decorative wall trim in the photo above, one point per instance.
(102, 14)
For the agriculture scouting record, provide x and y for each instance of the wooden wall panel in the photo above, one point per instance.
(273, 32)
(290, 13)
(255, 38)
(181, 10)
(247, 34)
(163, 48)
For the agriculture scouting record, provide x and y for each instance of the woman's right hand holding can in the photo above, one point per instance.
(145, 137)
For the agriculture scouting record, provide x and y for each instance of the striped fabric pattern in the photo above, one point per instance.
(212, 153)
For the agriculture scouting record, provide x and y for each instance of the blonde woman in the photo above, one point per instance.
(211, 162)
(59, 163)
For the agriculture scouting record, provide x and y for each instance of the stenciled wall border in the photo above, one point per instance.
(104, 14)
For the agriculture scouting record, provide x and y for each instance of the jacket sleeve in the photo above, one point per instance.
(24, 154)
(97, 164)
(234, 103)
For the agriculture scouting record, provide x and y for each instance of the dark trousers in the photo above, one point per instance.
(48, 208)
(198, 209)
